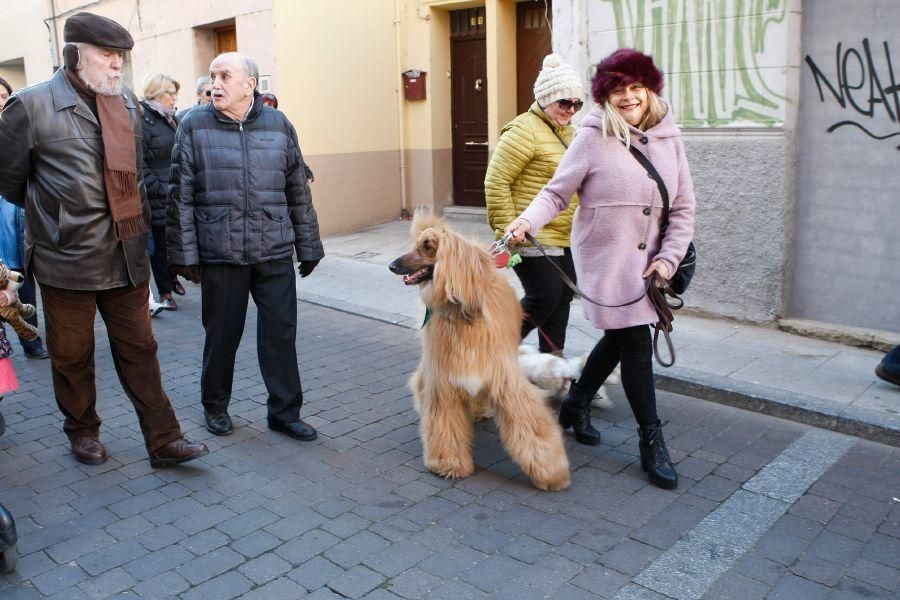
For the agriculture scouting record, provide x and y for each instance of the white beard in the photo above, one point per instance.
(101, 83)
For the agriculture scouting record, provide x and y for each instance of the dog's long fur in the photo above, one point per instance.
(469, 365)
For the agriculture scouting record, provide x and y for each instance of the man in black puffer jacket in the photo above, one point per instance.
(239, 207)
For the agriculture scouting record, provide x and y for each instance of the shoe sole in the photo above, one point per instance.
(293, 437)
(220, 432)
(94, 462)
(159, 463)
(883, 374)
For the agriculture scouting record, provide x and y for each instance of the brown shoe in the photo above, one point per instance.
(177, 451)
(89, 450)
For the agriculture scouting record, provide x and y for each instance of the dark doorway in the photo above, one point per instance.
(468, 68)
(533, 43)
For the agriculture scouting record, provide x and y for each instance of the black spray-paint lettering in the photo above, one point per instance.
(855, 71)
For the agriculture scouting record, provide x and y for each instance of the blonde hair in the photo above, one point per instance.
(157, 84)
(615, 124)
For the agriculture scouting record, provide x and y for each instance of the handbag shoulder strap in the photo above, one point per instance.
(651, 170)
(552, 128)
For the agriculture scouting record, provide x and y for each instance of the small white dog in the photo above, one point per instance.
(555, 374)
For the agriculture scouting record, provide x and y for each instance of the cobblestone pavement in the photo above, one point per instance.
(766, 508)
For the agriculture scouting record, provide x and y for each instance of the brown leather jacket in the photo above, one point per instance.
(51, 162)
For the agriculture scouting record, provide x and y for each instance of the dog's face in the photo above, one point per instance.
(417, 266)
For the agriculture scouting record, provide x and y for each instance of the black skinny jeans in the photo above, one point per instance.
(547, 299)
(633, 347)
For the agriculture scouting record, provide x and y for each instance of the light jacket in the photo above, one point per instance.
(51, 163)
(12, 232)
(525, 159)
(615, 233)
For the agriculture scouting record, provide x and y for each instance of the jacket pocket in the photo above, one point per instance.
(277, 228)
(213, 232)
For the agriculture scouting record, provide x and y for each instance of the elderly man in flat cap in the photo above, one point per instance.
(70, 153)
(239, 208)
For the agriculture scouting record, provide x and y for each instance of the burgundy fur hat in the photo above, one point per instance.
(622, 67)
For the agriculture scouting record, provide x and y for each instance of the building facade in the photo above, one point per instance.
(790, 111)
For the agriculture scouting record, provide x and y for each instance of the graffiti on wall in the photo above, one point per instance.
(863, 85)
(723, 60)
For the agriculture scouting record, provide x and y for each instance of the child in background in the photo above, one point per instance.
(8, 381)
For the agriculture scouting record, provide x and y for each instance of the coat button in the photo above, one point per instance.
(646, 211)
(644, 140)
(641, 246)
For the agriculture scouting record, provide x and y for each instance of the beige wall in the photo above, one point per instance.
(166, 38)
(25, 42)
(339, 86)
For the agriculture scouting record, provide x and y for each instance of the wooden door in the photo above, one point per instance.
(533, 43)
(468, 65)
(226, 40)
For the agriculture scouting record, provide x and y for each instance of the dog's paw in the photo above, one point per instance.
(451, 469)
(555, 482)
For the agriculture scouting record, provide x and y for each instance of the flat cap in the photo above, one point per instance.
(93, 29)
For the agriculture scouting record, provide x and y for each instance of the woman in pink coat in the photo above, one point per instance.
(616, 241)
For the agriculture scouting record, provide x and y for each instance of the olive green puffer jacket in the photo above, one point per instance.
(523, 162)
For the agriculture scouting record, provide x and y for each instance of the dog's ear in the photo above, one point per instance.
(458, 274)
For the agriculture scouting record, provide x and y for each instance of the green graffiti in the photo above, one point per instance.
(710, 52)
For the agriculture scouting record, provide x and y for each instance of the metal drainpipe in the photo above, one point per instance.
(54, 39)
(404, 209)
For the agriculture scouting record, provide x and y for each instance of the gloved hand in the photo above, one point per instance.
(189, 272)
(306, 267)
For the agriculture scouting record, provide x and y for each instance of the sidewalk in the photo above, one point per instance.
(825, 384)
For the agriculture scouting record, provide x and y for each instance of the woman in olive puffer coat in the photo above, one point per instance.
(525, 159)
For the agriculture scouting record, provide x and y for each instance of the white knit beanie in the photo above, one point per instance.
(557, 80)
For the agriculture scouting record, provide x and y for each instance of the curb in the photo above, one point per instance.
(809, 410)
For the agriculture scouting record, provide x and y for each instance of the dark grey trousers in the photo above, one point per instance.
(225, 291)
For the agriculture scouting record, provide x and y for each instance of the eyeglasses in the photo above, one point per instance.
(567, 104)
(173, 93)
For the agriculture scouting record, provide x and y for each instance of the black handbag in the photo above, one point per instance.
(680, 281)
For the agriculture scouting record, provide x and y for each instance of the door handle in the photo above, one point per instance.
(478, 85)
(476, 143)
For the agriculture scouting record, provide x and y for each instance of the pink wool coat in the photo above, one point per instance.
(615, 232)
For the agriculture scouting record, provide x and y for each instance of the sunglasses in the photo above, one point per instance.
(566, 104)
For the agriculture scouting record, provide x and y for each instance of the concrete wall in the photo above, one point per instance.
(25, 56)
(848, 206)
(167, 38)
(339, 86)
(729, 68)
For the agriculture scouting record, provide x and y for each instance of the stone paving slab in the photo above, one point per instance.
(355, 514)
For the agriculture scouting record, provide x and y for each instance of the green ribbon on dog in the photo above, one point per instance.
(427, 317)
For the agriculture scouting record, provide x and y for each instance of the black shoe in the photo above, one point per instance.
(575, 412)
(38, 353)
(655, 457)
(219, 424)
(298, 429)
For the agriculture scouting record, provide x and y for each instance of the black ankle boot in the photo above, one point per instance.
(575, 412)
(655, 457)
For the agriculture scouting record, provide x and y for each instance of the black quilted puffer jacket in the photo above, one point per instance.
(238, 192)
(159, 137)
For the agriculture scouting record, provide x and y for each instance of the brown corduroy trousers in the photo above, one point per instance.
(69, 318)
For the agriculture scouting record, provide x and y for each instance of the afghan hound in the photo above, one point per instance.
(469, 366)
